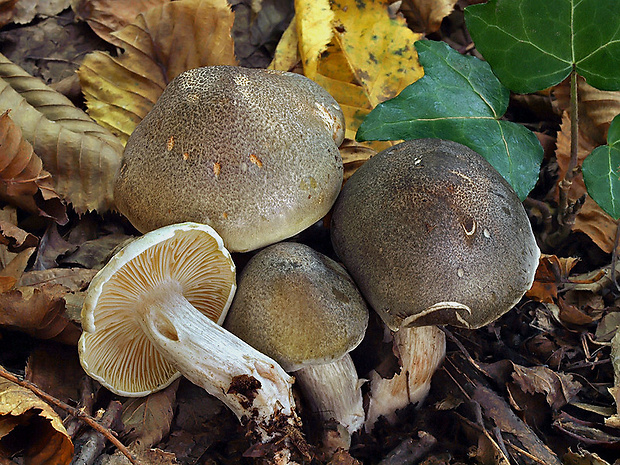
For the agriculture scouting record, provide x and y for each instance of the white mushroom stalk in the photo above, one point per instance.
(154, 313)
(251, 384)
(334, 392)
(421, 351)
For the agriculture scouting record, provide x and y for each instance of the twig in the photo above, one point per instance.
(90, 421)
(93, 442)
(411, 451)
(87, 401)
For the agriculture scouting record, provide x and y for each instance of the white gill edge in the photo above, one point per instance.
(131, 251)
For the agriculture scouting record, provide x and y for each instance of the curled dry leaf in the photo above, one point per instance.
(336, 50)
(426, 15)
(23, 181)
(107, 16)
(120, 91)
(15, 238)
(27, 10)
(42, 439)
(81, 156)
(38, 311)
(7, 11)
(353, 156)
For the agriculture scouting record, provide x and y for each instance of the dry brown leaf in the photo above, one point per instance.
(15, 269)
(107, 16)
(43, 439)
(551, 272)
(82, 156)
(353, 156)
(38, 311)
(425, 16)
(23, 181)
(7, 10)
(148, 419)
(27, 10)
(591, 219)
(159, 45)
(16, 238)
(73, 279)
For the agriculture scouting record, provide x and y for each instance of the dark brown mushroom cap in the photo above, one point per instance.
(297, 306)
(251, 152)
(432, 234)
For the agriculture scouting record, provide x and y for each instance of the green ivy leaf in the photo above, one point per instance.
(534, 44)
(459, 99)
(601, 172)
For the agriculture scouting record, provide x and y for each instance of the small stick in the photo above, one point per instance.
(94, 442)
(411, 451)
(90, 421)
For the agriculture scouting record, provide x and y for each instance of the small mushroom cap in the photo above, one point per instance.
(113, 348)
(432, 234)
(251, 152)
(297, 306)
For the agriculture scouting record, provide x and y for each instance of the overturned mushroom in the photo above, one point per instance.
(251, 152)
(152, 314)
(302, 308)
(433, 235)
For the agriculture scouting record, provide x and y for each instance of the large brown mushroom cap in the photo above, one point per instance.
(251, 152)
(432, 234)
(297, 306)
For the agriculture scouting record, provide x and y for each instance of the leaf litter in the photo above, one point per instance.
(539, 385)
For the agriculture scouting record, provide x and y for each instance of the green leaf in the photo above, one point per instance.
(534, 44)
(459, 99)
(601, 172)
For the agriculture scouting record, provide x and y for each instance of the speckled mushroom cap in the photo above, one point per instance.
(297, 306)
(432, 234)
(251, 152)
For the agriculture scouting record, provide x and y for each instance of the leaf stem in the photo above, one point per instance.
(90, 421)
(566, 212)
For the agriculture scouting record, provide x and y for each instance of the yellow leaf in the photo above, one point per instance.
(314, 28)
(42, 439)
(160, 44)
(360, 52)
(286, 56)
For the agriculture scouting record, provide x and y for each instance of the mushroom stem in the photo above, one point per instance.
(251, 384)
(334, 392)
(421, 350)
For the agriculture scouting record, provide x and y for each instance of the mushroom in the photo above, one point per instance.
(433, 235)
(302, 308)
(251, 152)
(153, 313)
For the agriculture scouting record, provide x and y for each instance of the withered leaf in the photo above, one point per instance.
(147, 419)
(81, 156)
(38, 311)
(22, 175)
(559, 388)
(44, 441)
(159, 45)
(107, 16)
(16, 238)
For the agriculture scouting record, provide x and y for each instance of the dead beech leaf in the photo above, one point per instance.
(38, 311)
(425, 16)
(27, 10)
(558, 388)
(551, 272)
(16, 238)
(147, 419)
(360, 52)
(22, 176)
(43, 438)
(15, 268)
(81, 156)
(107, 16)
(159, 45)
(7, 10)
(73, 279)
(353, 156)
